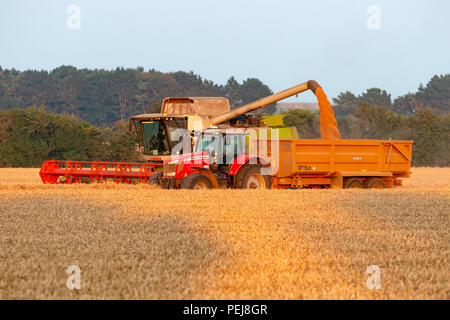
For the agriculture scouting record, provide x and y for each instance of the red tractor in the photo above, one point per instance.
(220, 160)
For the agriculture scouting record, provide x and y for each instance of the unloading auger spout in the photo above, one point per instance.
(328, 124)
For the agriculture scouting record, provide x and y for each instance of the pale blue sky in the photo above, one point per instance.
(280, 42)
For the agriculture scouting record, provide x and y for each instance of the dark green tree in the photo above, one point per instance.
(253, 89)
(434, 96)
(306, 122)
(122, 144)
(431, 135)
(378, 97)
(376, 122)
(344, 104)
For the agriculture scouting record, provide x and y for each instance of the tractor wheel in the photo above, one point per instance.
(239, 177)
(253, 179)
(375, 183)
(154, 179)
(353, 183)
(196, 181)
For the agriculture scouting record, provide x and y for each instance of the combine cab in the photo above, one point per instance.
(155, 131)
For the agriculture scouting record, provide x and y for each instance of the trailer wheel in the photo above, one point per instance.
(196, 181)
(353, 183)
(253, 179)
(375, 183)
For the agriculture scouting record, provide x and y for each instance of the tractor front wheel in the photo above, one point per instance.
(196, 181)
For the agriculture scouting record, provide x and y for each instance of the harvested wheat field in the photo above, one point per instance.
(138, 242)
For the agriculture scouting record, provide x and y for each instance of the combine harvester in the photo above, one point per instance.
(215, 130)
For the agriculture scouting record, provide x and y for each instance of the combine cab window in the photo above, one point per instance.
(155, 135)
(172, 126)
(155, 138)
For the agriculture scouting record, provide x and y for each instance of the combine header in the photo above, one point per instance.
(54, 171)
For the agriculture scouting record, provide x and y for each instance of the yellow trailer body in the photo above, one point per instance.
(341, 163)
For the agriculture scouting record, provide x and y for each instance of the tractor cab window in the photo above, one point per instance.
(222, 148)
(211, 143)
(155, 138)
(234, 146)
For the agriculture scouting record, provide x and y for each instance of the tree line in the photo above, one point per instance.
(435, 96)
(30, 136)
(71, 114)
(103, 97)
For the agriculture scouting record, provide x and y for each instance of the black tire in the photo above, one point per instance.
(239, 177)
(375, 183)
(253, 179)
(353, 183)
(154, 179)
(196, 181)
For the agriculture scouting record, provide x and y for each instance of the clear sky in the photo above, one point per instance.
(281, 42)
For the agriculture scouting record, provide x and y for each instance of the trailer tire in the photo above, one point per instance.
(196, 181)
(375, 183)
(353, 183)
(253, 179)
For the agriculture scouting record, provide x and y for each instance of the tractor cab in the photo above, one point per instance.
(223, 146)
(218, 160)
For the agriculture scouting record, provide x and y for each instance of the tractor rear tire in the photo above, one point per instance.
(353, 183)
(253, 179)
(375, 183)
(196, 181)
(239, 177)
